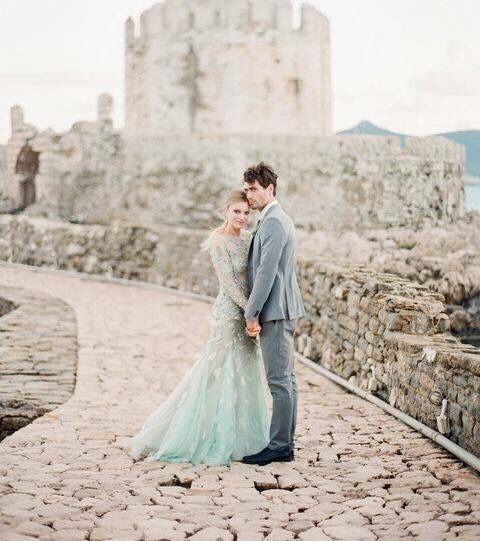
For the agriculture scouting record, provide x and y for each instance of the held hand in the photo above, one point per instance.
(253, 334)
(253, 328)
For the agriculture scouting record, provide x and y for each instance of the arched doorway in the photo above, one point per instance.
(27, 168)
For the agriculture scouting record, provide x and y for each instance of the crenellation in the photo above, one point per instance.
(129, 32)
(264, 16)
(312, 20)
(134, 44)
(105, 109)
(17, 119)
(182, 17)
(204, 17)
(179, 19)
(244, 15)
(284, 17)
(152, 22)
(193, 67)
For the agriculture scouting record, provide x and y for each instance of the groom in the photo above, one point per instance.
(274, 305)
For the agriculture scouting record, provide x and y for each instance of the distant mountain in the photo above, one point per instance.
(469, 138)
(367, 128)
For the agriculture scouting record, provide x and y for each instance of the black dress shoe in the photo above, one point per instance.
(248, 458)
(268, 455)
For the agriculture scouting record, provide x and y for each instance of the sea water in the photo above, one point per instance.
(472, 195)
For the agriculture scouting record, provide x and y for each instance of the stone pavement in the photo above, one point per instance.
(38, 357)
(359, 474)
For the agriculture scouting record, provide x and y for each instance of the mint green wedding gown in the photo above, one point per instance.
(218, 412)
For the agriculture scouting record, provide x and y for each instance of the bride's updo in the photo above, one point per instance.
(236, 196)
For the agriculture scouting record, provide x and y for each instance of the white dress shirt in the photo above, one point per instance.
(262, 213)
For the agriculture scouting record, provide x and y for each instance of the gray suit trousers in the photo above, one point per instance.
(276, 341)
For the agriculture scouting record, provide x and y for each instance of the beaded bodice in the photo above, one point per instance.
(229, 257)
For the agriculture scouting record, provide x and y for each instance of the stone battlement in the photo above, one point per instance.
(216, 67)
(244, 16)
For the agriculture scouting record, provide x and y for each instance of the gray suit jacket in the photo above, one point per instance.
(272, 260)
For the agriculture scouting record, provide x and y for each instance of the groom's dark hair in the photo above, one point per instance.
(263, 173)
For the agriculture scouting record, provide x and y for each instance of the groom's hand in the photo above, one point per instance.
(253, 328)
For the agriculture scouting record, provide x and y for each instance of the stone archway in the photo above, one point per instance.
(27, 168)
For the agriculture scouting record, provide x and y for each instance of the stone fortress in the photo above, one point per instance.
(389, 258)
(210, 88)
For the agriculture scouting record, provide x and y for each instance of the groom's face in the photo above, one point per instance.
(258, 196)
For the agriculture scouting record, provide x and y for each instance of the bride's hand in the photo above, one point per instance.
(253, 332)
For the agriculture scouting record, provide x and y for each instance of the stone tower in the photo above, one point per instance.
(216, 67)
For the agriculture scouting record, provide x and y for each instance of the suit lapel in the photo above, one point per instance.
(265, 215)
(250, 250)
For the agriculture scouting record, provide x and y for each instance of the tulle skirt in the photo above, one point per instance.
(219, 411)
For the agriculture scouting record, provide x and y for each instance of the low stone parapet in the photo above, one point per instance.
(391, 336)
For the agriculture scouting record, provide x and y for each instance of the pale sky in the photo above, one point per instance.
(411, 66)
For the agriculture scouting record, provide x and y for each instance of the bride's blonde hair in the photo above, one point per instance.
(237, 196)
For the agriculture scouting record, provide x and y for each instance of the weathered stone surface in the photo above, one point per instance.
(38, 346)
(210, 534)
(188, 52)
(409, 480)
(404, 357)
(319, 178)
(344, 532)
(314, 534)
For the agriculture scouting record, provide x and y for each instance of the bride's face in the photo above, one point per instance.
(237, 215)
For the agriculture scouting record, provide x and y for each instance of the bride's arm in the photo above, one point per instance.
(226, 276)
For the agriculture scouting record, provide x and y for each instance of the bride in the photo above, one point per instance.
(218, 412)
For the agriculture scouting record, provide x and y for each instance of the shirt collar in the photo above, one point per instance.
(262, 214)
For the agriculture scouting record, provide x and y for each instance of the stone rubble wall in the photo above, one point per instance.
(6, 202)
(3, 167)
(38, 356)
(359, 323)
(81, 154)
(445, 259)
(163, 255)
(390, 335)
(329, 183)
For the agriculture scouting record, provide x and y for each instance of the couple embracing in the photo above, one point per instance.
(218, 412)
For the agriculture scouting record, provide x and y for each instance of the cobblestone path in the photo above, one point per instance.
(359, 474)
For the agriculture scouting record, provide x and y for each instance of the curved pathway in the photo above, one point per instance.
(358, 474)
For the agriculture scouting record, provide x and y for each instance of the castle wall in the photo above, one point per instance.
(80, 154)
(380, 331)
(3, 175)
(211, 67)
(391, 336)
(352, 182)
